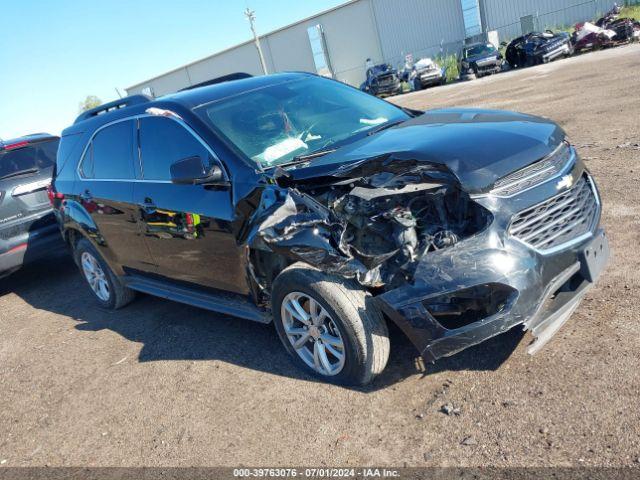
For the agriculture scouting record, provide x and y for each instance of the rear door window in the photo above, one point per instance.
(109, 156)
(36, 156)
(163, 142)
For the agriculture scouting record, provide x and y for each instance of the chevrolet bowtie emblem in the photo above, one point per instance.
(565, 182)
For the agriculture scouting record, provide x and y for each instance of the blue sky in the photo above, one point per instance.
(53, 53)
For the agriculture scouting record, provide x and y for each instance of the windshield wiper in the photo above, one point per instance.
(384, 126)
(20, 172)
(302, 158)
(316, 154)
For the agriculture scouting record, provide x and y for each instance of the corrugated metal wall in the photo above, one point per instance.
(351, 38)
(420, 27)
(383, 30)
(504, 15)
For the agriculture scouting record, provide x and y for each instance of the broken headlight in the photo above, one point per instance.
(463, 307)
(396, 226)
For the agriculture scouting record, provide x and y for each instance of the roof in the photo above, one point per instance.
(187, 99)
(186, 65)
(211, 93)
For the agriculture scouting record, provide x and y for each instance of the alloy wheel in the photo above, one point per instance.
(95, 276)
(313, 334)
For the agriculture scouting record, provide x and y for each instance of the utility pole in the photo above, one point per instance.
(251, 15)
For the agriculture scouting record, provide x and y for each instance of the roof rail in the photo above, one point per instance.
(225, 78)
(111, 106)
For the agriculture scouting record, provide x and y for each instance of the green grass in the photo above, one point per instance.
(450, 62)
(631, 12)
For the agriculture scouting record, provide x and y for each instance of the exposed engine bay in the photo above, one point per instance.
(375, 227)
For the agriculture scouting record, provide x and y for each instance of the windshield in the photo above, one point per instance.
(479, 50)
(33, 157)
(275, 124)
(378, 69)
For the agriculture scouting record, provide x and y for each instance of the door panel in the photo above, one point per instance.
(106, 192)
(188, 231)
(187, 227)
(118, 237)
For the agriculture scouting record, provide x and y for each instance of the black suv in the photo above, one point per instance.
(382, 80)
(302, 200)
(480, 59)
(536, 48)
(28, 229)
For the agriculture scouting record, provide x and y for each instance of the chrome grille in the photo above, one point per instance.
(534, 174)
(560, 219)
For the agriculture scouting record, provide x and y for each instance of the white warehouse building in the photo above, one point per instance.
(338, 41)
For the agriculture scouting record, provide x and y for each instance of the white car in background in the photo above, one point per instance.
(426, 73)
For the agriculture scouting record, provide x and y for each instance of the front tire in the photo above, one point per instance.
(329, 326)
(105, 286)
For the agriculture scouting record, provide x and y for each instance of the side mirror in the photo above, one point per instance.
(193, 171)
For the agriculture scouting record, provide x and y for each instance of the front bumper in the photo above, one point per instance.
(543, 288)
(555, 53)
(486, 67)
(390, 89)
(430, 78)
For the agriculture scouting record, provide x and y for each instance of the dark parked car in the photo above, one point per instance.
(536, 48)
(382, 80)
(480, 59)
(28, 229)
(301, 200)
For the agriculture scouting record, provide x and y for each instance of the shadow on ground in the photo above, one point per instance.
(172, 331)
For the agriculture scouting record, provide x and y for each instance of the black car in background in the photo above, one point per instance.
(382, 80)
(479, 59)
(536, 48)
(300, 200)
(28, 228)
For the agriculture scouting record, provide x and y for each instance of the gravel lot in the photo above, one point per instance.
(159, 383)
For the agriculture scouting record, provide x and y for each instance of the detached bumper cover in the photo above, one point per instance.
(547, 286)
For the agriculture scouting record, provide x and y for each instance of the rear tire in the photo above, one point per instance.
(343, 324)
(106, 287)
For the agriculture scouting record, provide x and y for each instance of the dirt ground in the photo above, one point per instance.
(160, 383)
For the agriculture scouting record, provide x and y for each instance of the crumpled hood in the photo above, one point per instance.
(425, 63)
(477, 146)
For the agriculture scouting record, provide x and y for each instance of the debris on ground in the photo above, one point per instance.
(634, 146)
(449, 409)
(469, 441)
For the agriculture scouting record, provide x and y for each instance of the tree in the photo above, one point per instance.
(88, 103)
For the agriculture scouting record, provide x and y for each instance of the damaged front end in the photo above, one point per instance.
(450, 268)
(372, 222)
